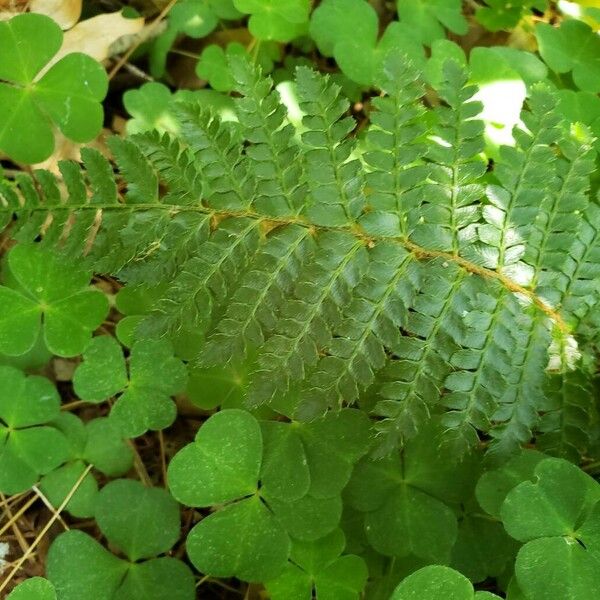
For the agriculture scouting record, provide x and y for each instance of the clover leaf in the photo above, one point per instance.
(483, 548)
(98, 443)
(29, 447)
(572, 47)
(321, 568)
(429, 17)
(506, 14)
(279, 20)
(53, 291)
(437, 582)
(215, 68)
(142, 523)
(558, 518)
(149, 106)
(300, 500)
(34, 98)
(493, 486)
(57, 484)
(194, 18)
(144, 400)
(319, 455)
(348, 31)
(409, 500)
(152, 106)
(223, 464)
(35, 588)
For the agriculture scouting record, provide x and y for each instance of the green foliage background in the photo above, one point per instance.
(324, 326)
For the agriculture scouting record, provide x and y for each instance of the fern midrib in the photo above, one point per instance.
(420, 252)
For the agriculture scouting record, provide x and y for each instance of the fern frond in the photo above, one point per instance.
(335, 178)
(524, 173)
(564, 426)
(344, 266)
(370, 325)
(253, 308)
(274, 156)
(217, 148)
(450, 201)
(396, 145)
(176, 167)
(306, 319)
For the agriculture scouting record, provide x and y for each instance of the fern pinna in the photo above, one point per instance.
(392, 266)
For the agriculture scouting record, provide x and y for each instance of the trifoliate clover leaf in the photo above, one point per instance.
(36, 588)
(429, 17)
(57, 484)
(554, 505)
(215, 68)
(573, 47)
(98, 443)
(348, 31)
(51, 290)
(208, 472)
(145, 395)
(243, 539)
(194, 18)
(319, 567)
(142, 522)
(106, 449)
(506, 14)
(103, 372)
(483, 548)
(558, 518)
(321, 455)
(29, 447)
(437, 582)
(152, 106)
(278, 20)
(494, 485)
(80, 567)
(555, 567)
(149, 107)
(408, 500)
(34, 98)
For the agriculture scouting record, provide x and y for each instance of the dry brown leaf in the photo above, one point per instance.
(65, 12)
(65, 149)
(97, 35)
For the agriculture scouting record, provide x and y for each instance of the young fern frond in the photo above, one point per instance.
(397, 269)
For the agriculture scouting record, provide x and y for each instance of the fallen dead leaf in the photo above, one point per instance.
(65, 12)
(96, 36)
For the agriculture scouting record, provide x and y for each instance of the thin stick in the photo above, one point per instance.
(48, 504)
(139, 466)
(17, 515)
(125, 57)
(163, 459)
(20, 538)
(45, 530)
